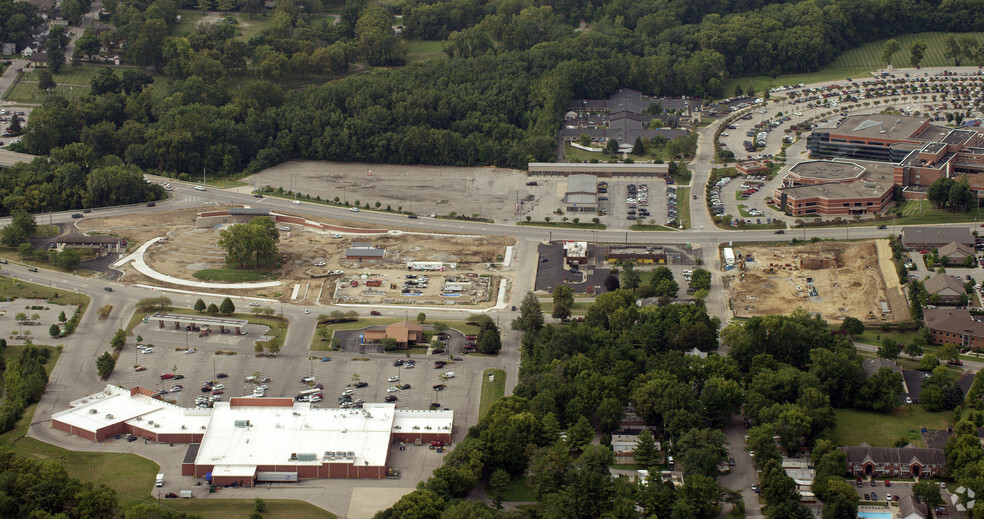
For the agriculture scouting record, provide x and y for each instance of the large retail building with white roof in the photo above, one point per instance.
(249, 440)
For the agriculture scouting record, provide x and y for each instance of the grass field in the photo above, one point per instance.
(683, 206)
(491, 391)
(882, 430)
(224, 183)
(423, 50)
(571, 153)
(16, 288)
(874, 336)
(239, 508)
(576, 309)
(230, 275)
(23, 92)
(245, 29)
(855, 63)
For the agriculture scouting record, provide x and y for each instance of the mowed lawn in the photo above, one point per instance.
(239, 508)
(883, 430)
(857, 63)
(491, 391)
(422, 50)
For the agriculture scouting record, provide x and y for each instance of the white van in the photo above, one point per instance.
(160, 480)
(449, 374)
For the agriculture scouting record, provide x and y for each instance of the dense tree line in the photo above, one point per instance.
(499, 99)
(17, 19)
(74, 177)
(24, 380)
(31, 488)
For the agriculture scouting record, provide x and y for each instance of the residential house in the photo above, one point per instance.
(909, 509)
(956, 253)
(8, 49)
(624, 444)
(873, 366)
(27, 52)
(946, 287)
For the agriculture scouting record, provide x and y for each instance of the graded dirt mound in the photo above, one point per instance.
(834, 279)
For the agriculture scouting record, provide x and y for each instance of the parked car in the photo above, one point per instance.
(375, 312)
(391, 398)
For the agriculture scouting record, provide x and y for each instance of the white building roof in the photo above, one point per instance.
(172, 419)
(239, 471)
(275, 433)
(422, 421)
(110, 406)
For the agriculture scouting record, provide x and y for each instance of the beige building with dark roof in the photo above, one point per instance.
(955, 253)
(948, 288)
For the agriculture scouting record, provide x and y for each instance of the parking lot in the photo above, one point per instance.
(197, 367)
(877, 491)
(6, 116)
(618, 208)
(285, 371)
(37, 330)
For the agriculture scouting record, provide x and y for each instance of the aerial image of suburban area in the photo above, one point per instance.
(658, 259)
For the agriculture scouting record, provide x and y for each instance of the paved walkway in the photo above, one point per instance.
(9, 75)
(137, 257)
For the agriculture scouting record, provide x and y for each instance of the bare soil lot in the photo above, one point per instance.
(309, 258)
(486, 191)
(778, 280)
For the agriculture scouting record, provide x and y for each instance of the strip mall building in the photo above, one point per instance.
(250, 440)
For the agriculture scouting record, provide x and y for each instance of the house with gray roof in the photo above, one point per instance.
(956, 253)
(909, 509)
(948, 288)
(925, 238)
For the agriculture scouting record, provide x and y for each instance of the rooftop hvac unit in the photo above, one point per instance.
(183, 427)
(203, 427)
(242, 423)
(150, 422)
(93, 411)
(157, 426)
(350, 455)
(427, 427)
(109, 417)
(139, 418)
(397, 427)
(415, 427)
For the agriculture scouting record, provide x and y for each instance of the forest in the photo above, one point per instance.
(232, 106)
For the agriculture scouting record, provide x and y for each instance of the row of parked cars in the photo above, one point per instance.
(637, 201)
(714, 196)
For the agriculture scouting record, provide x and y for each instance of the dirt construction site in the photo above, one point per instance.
(834, 279)
(327, 267)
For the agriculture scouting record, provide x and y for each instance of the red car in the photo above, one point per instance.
(218, 392)
(140, 368)
(166, 376)
(438, 443)
(375, 312)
